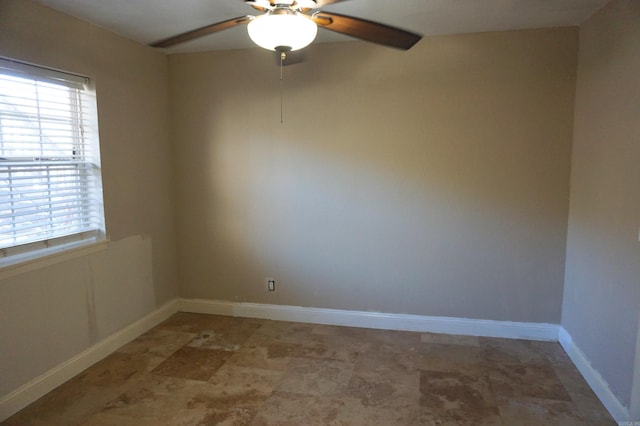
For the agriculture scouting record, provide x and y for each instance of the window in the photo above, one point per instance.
(50, 186)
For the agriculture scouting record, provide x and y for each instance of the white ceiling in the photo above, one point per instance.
(146, 21)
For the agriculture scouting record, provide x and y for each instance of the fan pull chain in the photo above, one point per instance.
(282, 58)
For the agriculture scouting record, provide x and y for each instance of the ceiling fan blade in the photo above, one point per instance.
(260, 5)
(201, 32)
(322, 3)
(307, 5)
(366, 30)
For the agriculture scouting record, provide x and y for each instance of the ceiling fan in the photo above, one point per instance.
(286, 26)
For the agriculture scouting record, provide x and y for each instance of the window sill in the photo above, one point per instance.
(17, 265)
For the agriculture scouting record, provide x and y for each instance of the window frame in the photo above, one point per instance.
(84, 128)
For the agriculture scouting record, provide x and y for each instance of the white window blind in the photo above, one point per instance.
(50, 189)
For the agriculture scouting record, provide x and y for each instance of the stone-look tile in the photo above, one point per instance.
(234, 379)
(395, 372)
(527, 380)
(202, 369)
(388, 363)
(156, 398)
(573, 382)
(295, 350)
(337, 347)
(192, 363)
(452, 397)
(449, 339)
(315, 377)
(353, 333)
(69, 404)
(196, 323)
(223, 333)
(353, 412)
(396, 392)
(535, 412)
(106, 419)
(371, 393)
(294, 409)
(346, 343)
(584, 400)
(434, 356)
(291, 340)
(157, 345)
(356, 414)
(227, 406)
(393, 341)
(281, 331)
(553, 352)
(511, 351)
(303, 340)
(115, 370)
(223, 341)
(259, 357)
(85, 394)
(174, 401)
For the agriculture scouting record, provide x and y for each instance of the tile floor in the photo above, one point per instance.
(215, 370)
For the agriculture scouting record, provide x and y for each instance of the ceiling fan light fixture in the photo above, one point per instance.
(282, 31)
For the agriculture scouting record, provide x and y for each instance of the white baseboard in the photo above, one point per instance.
(597, 383)
(38, 387)
(463, 326)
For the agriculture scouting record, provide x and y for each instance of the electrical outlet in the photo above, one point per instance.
(271, 284)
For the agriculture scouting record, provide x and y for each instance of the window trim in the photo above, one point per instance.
(43, 258)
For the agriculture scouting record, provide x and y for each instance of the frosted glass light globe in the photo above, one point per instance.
(290, 31)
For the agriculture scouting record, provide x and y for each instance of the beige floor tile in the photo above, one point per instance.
(454, 397)
(393, 392)
(510, 351)
(315, 377)
(157, 345)
(85, 394)
(196, 323)
(192, 363)
(259, 357)
(527, 380)
(214, 370)
(295, 409)
(449, 339)
(174, 401)
(435, 356)
(237, 379)
(228, 341)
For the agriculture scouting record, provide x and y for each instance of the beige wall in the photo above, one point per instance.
(602, 285)
(433, 181)
(50, 314)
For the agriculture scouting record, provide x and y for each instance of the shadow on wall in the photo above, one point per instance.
(432, 182)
